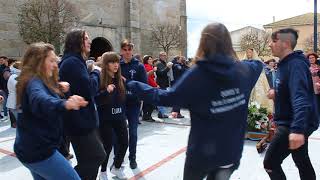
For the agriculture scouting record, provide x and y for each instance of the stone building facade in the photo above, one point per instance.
(107, 22)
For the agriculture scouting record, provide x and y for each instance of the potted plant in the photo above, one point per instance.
(258, 121)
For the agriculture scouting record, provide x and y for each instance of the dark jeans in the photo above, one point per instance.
(176, 109)
(198, 173)
(65, 146)
(90, 154)
(132, 113)
(278, 150)
(147, 110)
(119, 128)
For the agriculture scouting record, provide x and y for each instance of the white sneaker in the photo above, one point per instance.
(4, 118)
(103, 175)
(118, 173)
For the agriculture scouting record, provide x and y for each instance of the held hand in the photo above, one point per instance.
(110, 88)
(169, 64)
(318, 86)
(271, 94)
(95, 67)
(295, 140)
(124, 79)
(64, 86)
(75, 102)
(155, 69)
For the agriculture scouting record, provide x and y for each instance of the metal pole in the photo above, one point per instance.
(315, 27)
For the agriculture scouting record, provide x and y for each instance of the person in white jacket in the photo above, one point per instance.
(11, 101)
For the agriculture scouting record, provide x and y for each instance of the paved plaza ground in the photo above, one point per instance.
(161, 154)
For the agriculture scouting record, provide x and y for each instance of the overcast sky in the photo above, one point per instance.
(236, 14)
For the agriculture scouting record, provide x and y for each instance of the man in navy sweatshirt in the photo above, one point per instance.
(132, 69)
(295, 108)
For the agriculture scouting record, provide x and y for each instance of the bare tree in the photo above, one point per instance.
(259, 42)
(167, 37)
(46, 20)
(308, 44)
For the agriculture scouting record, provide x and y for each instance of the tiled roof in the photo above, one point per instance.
(304, 19)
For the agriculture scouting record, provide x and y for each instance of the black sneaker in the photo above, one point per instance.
(149, 119)
(162, 116)
(180, 116)
(133, 164)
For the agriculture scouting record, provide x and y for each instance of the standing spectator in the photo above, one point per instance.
(11, 101)
(315, 72)
(111, 103)
(162, 78)
(148, 65)
(82, 126)
(132, 69)
(216, 91)
(178, 68)
(295, 108)
(4, 76)
(271, 72)
(39, 127)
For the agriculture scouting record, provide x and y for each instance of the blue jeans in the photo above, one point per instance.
(55, 167)
(162, 110)
(132, 112)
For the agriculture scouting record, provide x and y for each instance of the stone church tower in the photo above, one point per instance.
(107, 22)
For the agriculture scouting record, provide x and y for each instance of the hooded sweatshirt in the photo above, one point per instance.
(73, 70)
(216, 91)
(133, 70)
(295, 102)
(39, 124)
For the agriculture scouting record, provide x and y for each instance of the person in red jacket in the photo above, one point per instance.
(150, 69)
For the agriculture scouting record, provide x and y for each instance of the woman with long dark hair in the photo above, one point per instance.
(81, 126)
(216, 90)
(39, 125)
(111, 104)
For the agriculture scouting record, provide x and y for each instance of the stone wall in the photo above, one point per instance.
(111, 19)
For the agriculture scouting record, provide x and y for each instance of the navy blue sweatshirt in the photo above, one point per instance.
(73, 70)
(39, 125)
(295, 102)
(134, 70)
(216, 91)
(110, 105)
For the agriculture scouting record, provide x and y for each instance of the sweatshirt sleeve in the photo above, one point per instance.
(143, 74)
(81, 83)
(299, 89)
(179, 95)
(42, 103)
(255, 68)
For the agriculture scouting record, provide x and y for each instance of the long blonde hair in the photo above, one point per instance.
(33, 65)
(105, 78)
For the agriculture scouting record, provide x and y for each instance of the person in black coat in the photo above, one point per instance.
(82, 126)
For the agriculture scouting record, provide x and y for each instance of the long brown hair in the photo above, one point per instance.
(106, 79)
(33, 65)
(74, 42)
(215, 39)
